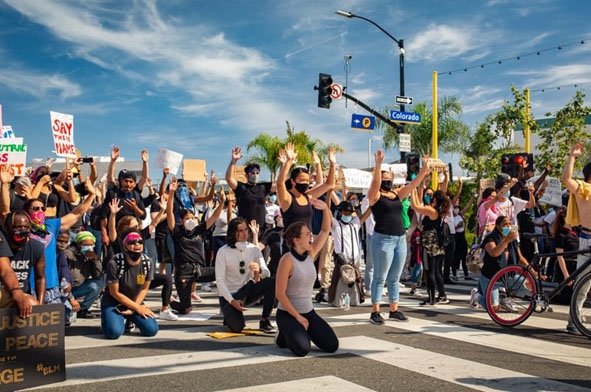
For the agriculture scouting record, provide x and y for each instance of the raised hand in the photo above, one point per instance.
(292, 154)
(114, 205)
(316, 158)
(282, 156)
(6, 174)
(379, 156)
(318, 204)
(332, 156)
(145, 156)
(578, 149)
(114, 152)
(236, 154)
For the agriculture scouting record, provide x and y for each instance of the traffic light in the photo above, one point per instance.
(524, 160)
(508, 164)
(324, 90)
(413, 164)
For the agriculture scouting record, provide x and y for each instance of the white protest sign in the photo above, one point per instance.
(13, 152)
(398, 171)
(355, 178)
(167, 159)
(553, 191)
(7, 132)
(62, 128)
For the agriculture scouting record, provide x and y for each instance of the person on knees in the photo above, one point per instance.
(298, 323)
(243, 278)
(128, 279)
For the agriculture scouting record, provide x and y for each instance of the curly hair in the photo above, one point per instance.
(443, 202)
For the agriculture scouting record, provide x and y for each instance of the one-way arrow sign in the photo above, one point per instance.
(403, 100)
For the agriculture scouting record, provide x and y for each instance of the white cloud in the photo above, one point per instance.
(38, 85)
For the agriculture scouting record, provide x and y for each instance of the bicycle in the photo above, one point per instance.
(520, 291)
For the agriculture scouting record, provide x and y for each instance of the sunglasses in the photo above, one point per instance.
(135, 242)
(37, 208)
(242, 270)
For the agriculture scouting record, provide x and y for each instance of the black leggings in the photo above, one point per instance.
(249, 294)
(293, 335)
(166, 282)
(184, 276)
(432, 265)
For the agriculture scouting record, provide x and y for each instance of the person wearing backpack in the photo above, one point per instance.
(433, 227)
(129, 274)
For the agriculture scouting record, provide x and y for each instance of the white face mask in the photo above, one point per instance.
(190, 224)
(241, 245)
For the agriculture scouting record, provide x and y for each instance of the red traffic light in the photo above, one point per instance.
(504, 160)
(519, 159)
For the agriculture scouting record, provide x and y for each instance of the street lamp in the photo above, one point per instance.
(400, 43)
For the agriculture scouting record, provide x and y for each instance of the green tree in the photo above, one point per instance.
(268, 148)
(453, 134)
(567, 129)
(492, 138)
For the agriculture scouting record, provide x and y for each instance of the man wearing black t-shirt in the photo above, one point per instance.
(250, 196)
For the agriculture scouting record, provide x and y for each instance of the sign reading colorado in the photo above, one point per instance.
(405, 117)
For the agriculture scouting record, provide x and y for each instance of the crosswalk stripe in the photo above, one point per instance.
(324, 384)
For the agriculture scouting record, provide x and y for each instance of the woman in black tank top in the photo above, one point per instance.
(388, 243)
(294, 203)
(434, 215)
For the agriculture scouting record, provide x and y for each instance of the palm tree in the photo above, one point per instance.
(268, 152)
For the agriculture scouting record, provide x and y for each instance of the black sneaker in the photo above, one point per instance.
(442, 300)
(376, 318)
(573, 331)
(449, 281)
(266, 326)
(129, 326)
(427, 303)
(397, 316)
(85, 314)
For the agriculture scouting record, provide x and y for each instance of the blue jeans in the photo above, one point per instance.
(113, 323)
(516, 281)
(368, 266)
(415, 274)
(388, 254)
(90, 290)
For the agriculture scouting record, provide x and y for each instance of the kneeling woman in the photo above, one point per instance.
(297, 321)
(128, 279)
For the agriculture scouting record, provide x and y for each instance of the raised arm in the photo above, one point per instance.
(172, 187)
(68, 220)
(218, 210)
(6, 177)
(567, 174)
(321, 238)
(416, 182)
(287, 157)
(330, 180)
(236, 155)
(114, 208)
(111, 169)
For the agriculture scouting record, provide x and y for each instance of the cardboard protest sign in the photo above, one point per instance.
(398, 171)
(13, 152)
(7, 132)
(355, 178)
(169, 159)
(32, 350)
(486, 183)
(62, 128)
(194, 170)
(553, 191)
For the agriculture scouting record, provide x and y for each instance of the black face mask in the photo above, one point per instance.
(302, 188)
(134, 256)
(386, 185)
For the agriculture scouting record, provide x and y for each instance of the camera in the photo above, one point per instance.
(87, 160)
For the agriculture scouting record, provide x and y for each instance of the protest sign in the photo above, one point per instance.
(167, 159)
(355, 178)
(553, 191)
(194, 170)
(32, 350)
(13, 152)
(62, 128)
(7, 132)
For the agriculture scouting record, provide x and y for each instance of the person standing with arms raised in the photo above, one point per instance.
(388, 242)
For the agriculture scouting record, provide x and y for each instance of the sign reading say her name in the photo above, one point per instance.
(62, 128)
(32, 350)
(13, 152)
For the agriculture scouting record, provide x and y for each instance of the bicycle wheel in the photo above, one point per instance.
(510, 296)
(580, 305)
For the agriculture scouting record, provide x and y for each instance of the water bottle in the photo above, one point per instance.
(64, 286)
(347, 302)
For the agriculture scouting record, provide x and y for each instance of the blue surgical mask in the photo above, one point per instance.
(273, 198)
(347, 218)
(506, 231)
(427, 199)
(508, 194)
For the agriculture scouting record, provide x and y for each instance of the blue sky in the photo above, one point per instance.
(199, 77)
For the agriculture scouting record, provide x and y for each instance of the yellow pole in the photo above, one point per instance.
(526, 128)
(434, 129)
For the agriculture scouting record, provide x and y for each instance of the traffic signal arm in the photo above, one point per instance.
(396, 126)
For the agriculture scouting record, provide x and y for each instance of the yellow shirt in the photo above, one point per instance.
(572, 210)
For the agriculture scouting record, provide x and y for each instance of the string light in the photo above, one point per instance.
(519, 57)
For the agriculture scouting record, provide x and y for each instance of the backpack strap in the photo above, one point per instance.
(120, 259)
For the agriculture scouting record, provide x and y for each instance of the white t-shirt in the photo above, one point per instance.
(350, 237)
(510, 209)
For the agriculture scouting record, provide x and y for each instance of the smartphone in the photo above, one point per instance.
(129, 195)
(515, 228)
(87, 160)
(120, 308)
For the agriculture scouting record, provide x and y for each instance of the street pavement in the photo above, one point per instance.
(444, 348)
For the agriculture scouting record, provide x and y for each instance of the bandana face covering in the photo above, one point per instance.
(38, 218)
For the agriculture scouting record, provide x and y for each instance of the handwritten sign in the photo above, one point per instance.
(398, 171)
(62, 128)
(169, 159)
(32, 350)
(13, 152)
(7, 132)
(355, 178)
(552, 191)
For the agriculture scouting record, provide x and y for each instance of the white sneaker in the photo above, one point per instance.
(167, 315)
(508, 305)
(474, 297)
(206, 287)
